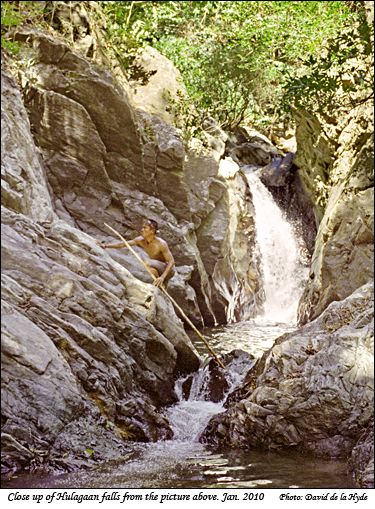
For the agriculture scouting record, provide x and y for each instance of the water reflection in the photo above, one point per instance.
(254, 336)
(183, 465)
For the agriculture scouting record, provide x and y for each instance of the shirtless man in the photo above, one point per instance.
(155, 252)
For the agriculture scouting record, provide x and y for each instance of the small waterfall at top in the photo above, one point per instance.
(283, 273)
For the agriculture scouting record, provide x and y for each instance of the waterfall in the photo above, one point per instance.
(283, 273)
(284, 276)
(191, 414)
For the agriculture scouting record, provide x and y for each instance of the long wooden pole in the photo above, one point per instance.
(163, 289)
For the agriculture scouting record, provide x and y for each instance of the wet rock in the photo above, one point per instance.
(214, 382)
(247, 146)
(279, 172)
(91, 438)
(236, 363)
(142, 423)
(361, 461)
(186, 387)
(218, 384)
(304, 392)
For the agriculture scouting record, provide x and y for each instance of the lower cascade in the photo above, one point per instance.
(184, 462)
(189, 417)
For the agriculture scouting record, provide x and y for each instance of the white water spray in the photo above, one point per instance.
(283, 273)
(189, 417)
(284, 276)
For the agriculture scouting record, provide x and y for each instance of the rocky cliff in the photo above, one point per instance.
(88, 342)
(84, 342)
(343, 256)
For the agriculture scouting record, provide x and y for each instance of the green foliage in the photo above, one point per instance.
(238, 59)
(241, 61)
(188, 118)
(10, 17)
(341, 76)
(15, 14)
(89, 452)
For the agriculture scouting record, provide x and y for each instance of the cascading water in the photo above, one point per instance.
(283, 273)
(191, 415)
(183, 462)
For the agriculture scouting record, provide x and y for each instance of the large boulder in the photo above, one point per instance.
(157, 84)
(343, 255)
(313, 390)
(247, 146)
(78, 324)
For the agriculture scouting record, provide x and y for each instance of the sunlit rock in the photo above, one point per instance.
(312, 390)
(343, 255)
(157, 84)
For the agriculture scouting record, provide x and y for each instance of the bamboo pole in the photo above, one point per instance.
(163, 289)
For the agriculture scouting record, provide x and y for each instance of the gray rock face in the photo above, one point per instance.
(90, 347)
(313, 390)
(83, 339)
(82, 336)
(106, 162)
(22, 183)
(343, 255)
(228, 244)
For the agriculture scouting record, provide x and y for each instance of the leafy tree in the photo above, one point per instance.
(241, 61)
(340, 77)
(238, 59)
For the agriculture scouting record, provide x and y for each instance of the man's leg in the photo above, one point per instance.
(160, 268)
(156, 267)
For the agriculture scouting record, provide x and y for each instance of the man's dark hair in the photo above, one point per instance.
(152, 223)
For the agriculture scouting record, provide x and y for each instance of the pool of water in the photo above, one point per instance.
(185, 463)
(191, 465)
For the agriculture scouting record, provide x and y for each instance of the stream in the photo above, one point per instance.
(183, 462)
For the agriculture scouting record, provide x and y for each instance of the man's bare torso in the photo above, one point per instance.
(154, 249)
